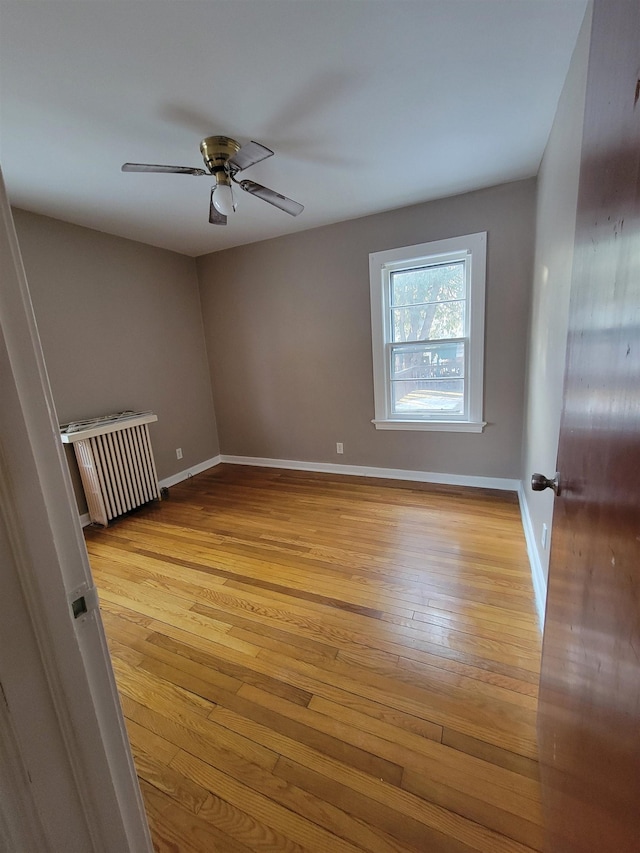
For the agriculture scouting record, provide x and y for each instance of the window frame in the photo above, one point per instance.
(472, 249)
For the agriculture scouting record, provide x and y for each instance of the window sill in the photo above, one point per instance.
(432, 426)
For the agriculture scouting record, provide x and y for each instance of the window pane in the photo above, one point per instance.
(428, 322)
(428, 284)
(440, 396)
(439, 361)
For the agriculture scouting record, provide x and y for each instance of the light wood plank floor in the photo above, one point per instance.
(318, 663)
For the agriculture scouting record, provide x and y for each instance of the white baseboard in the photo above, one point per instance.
(85, 521)
(502, 483)
(190, 472)
(537, 573)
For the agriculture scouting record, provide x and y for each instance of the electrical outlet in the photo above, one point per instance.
(543, 538)
(178, 453)
(339, 447)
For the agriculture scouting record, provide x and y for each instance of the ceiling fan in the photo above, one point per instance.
(224, 158)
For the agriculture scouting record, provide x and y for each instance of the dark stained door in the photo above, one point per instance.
(589, 712)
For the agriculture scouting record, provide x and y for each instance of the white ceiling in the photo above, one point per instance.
(369, 105)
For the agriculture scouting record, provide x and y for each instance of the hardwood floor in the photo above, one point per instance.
(310, 662)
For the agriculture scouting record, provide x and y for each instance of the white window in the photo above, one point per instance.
(427, 323)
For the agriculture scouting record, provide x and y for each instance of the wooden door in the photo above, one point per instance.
(589, 712)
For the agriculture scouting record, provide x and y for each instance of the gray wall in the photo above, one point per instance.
(121, 328)
(555, 227)
(288, 333)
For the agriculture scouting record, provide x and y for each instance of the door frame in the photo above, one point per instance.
(66, 755)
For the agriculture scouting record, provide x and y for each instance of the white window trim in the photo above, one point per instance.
(473, 247)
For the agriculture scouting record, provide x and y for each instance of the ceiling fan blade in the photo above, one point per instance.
(249, 154)
(149, 167)
(215, 217)
(287, 204)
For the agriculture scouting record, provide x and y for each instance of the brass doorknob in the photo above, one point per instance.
(539, 483)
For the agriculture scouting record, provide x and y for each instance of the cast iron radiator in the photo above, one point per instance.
(116, 462)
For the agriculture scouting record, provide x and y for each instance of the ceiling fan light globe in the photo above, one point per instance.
(223, 200)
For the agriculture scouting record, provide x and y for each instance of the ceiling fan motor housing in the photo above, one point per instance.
(216, 151)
